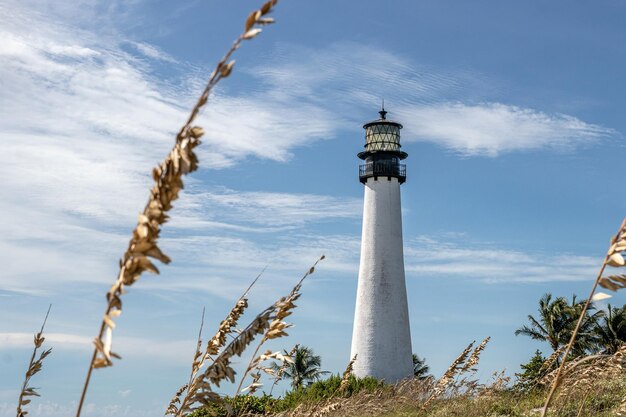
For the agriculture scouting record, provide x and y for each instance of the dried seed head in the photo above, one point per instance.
(251, 20)
(252, 33)
(196, 132)
(225, 70)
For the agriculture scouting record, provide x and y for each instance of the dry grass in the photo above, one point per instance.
(278, 373)
(34, 366)
(346, 374)
(269, 323)
(418, 396)
(615, 259)
(449, 375)
(586, 377)
(494, 400)
(226, 327)
(283, 308)
(168, 182)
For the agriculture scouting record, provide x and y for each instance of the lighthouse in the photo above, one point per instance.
(381, 336)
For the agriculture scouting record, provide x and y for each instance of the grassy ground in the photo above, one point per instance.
(369, 398)
(603, 401)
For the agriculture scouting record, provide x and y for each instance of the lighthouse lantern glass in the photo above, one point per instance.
(382, 137)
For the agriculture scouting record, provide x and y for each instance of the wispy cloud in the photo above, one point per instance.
(492, 129)
(131, 346)
(489, 263)
(46, 408)
(452, 109)
(269, 210)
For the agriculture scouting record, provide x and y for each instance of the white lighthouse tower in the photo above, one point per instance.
(381, 335)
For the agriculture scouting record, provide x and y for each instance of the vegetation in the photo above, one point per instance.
(533, 371)
(610, 331)
(305, 368)
(34, 366)
(556, 322)
(420, 369)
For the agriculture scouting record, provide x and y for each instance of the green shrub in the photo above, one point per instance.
(241, 403)
(314, 393)
(325, 389)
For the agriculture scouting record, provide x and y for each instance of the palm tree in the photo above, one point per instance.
(586, 340)
(611, 331)
(305, 368)
(420, 369)
(552, 325)
(556, 322)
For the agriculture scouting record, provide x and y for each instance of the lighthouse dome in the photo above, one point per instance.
(382, 135)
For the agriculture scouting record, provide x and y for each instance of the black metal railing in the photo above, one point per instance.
(382, 169)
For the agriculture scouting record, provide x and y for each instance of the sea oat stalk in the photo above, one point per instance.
(277, 326)
(345, 379)
(226, 327)
(448, 376)
(167, 185)
(474, 358)
(268, 323)
(613, 258)
(278, 375)
(34, 366)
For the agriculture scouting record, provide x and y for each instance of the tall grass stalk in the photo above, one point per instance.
(34, 366)
(226, 327)
(268, 323)
(276, 328)
(451, 373)
(278, 375)
(167, 184)
(613, 258)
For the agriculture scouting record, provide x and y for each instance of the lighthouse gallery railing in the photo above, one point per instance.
(382, 169)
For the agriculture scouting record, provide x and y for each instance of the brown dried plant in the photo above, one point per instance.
(280, 371)
(226, 327)
(275, 329)
(168, 182)
(474, 358)
(580, 376)
(448, 377)
(468, 385)
(543, 374)
(268, 323)
(614, 258)
(497, 383)
(345, 379)
(258, 366)
(34, 366)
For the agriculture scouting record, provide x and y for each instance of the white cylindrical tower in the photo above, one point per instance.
(381, 335)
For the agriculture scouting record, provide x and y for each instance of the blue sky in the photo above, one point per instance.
(513, 121)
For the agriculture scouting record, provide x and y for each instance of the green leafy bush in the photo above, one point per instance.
(241, 404)
(322, 390)
(314, 393)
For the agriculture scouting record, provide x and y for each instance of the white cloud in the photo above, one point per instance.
(131, 346)
(124, 393)
(267, 209)
(58, 340)
(354, 79)
(153, 52)
(493, 128)
(46, 408)
(459, 258)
